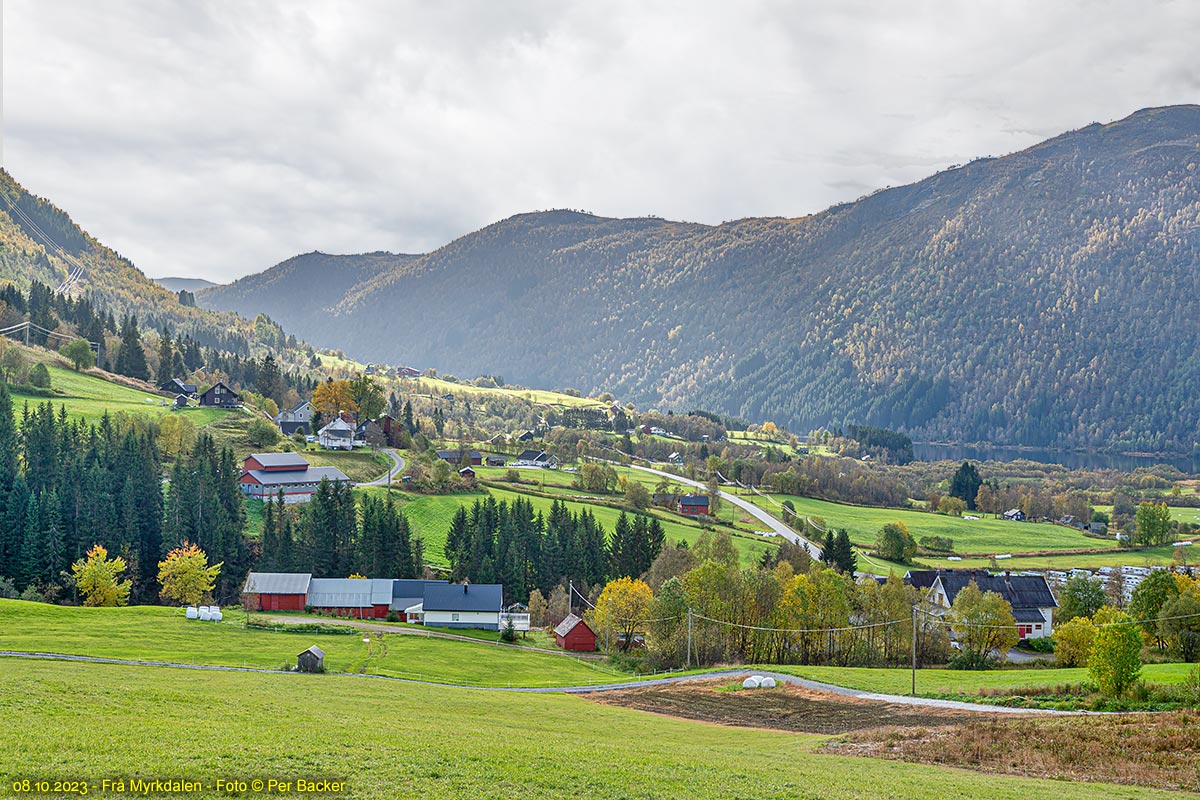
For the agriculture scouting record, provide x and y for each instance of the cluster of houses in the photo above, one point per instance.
(264, 475)
(425, 602)
(216, 396)
(1127, 578)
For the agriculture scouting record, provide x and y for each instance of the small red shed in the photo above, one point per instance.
(574, 634)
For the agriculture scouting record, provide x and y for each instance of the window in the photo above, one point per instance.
(454, 617)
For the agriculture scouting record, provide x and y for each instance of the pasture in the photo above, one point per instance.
(156, 633)
(388, 740)
(985, 537)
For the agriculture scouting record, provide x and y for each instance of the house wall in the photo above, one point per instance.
(487, 620)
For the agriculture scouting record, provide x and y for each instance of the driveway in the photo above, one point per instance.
(396, 468)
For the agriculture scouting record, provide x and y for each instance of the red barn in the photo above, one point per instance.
(574, 634)
(275, 591)
(693, 505)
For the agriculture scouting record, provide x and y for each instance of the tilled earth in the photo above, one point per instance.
(785, 708)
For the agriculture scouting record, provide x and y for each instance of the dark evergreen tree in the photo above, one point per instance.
(965, 484)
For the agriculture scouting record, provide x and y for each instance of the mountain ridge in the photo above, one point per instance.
(1007, 300)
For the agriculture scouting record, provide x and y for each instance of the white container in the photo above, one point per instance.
(215, 616)
(767, 683)
(753, 682)
(192, 613)
(205, 615)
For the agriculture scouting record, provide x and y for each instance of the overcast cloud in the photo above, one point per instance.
(214, 139)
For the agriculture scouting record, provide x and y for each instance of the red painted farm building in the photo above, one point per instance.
(574, 634)
(276, 591)
(693, 505)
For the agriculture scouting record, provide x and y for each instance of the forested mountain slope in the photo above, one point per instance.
(302, 289)
(40, 242)
(1048, 297)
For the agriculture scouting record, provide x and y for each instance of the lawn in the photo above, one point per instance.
(155, 633)
(91, 722)
(984, 537)
(1149, 557)
(934, 682)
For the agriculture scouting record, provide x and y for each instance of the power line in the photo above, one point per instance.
(803, 630)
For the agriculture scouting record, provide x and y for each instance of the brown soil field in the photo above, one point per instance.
(785, 708)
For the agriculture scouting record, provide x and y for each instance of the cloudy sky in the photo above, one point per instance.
(214, 139)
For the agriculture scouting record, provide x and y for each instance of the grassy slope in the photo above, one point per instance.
(152, 633)
(389, 740)
(89, 396)
(359, 465)
(987, 536)
(431, 516)
(951, 681)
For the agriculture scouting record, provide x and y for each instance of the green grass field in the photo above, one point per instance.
(90, 722)
(431, 516)
(89, 397)
(982, 536)
(155, 633)
(439, 387)
(359, 465)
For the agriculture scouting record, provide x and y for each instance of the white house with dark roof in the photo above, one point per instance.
(465, 605)
(337, 435)
(1032, 601)
(264, 474)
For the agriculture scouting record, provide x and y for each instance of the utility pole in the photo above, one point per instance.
(570, 596)
(914, 650)
(689, 641)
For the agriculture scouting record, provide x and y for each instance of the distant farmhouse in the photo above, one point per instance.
(220, 396)
(536, 458)
(298, 418)
(693, 505)
(177, 387)
(337, 435)
(454, 456)
(264, 474)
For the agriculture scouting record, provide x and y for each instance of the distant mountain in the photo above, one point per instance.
(303, 289)
(184, 284)
(39, 241)
(1049, 297)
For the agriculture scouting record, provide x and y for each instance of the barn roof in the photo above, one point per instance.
(409, 592)
(341, 593)
(568, 625)
(277, 460)
(310, 475)
(316, 651)
(463, 597)
(694, 500)
(277, 582)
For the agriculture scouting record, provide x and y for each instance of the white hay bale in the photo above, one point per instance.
(215, 616)
(205, 614)
(767, 683)
(192, 613)
(752, 682)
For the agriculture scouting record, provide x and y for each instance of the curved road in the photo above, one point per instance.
(396, 468)
(776, 526)
(927, 702)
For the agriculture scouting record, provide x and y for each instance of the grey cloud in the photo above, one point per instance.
(216, 138)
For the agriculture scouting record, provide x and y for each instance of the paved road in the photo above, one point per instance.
(773, 524)
(585, 689)
(396, 468)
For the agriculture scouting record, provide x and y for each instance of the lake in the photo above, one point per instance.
(926, 451)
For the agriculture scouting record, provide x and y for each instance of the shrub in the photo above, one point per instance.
(1042, 645)
(1074, 642)
(969, 659)
(262, 433)
(393, 616)
(895, 543)
(39, 376)
(1115, 661)
(942, 544)
(512, 476)
(7, 590)
(508, 633)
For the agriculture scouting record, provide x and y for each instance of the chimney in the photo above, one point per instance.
(464, 588)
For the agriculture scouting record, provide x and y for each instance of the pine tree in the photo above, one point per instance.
(166, 358)
(131, 360)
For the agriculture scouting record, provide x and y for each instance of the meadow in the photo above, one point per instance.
(90, 722)
(984, 537)
(90, 396)
(156, 633)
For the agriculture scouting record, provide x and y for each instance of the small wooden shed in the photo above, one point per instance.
(311, 660)
(574, 634)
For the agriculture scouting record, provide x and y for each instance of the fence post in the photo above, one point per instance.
(689, 640)
(914, 650)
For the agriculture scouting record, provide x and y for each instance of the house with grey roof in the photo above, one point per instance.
(1029, 595)
(337, 435)
(298, 418)
(463, 605)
